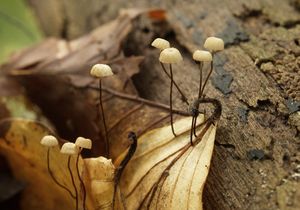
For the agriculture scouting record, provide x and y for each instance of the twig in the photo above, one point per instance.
(142, 100)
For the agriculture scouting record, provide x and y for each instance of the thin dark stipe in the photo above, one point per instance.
(81, 183)
(103, 118)
(183, 97)
(73, 181)
(53, 177)
(206, 80)
(200, 82)
(171, 103)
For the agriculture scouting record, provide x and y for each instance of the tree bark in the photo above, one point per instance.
(256, 164)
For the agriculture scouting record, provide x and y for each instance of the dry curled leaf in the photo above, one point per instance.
(166, 172)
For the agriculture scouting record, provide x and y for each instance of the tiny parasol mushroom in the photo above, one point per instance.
(82, 143)
(170, 56)
(71, 149)
(100, 71)
(51, 141)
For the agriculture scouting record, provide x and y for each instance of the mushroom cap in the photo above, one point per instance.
(101, 70)
(69, 148)
(170, 55)
(214, 44)
(83, 143)
(49, 141)
(160, 43)
(202, 55)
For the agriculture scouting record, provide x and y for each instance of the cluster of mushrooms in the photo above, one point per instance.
(70, 149)
(168, 56)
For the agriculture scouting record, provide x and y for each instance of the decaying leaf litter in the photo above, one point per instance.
(161, 163)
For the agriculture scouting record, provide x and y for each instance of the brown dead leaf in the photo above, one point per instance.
(167, 172)
(20, 145)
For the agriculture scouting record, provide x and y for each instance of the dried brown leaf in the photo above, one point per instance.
(166, 172)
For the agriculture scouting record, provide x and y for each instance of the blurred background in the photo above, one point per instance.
(18, 27)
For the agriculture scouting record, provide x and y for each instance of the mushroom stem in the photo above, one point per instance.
(200, 82)
(103, 118)
(171, 103)
(73, 181)
(53, 177)
(206, 80)
(183, 97)
(80, 179)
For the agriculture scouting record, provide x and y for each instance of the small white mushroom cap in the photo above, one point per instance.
(170, 55)
(69, 148)
(101, 70)
(49, 141)
(214, 44)
(160, 43)
(83, 143)
(202, 55)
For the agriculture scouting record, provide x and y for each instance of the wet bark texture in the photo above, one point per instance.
(256, 164)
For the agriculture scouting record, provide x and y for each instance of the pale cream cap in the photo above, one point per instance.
(83, 143)
(160, 43)
(101, 70)
(49, 141)
(170, 55)
(214, 44)
(202, 56)
(69, 148)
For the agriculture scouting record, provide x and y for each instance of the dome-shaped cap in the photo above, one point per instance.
(69, 148)
(101, 70)
(83, 143)
(170, 55)
(160, 43)
(202, 55)
(49, 141)
(214, 44)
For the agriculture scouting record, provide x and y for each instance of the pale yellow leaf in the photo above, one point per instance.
(167, 172)
(20, 145)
